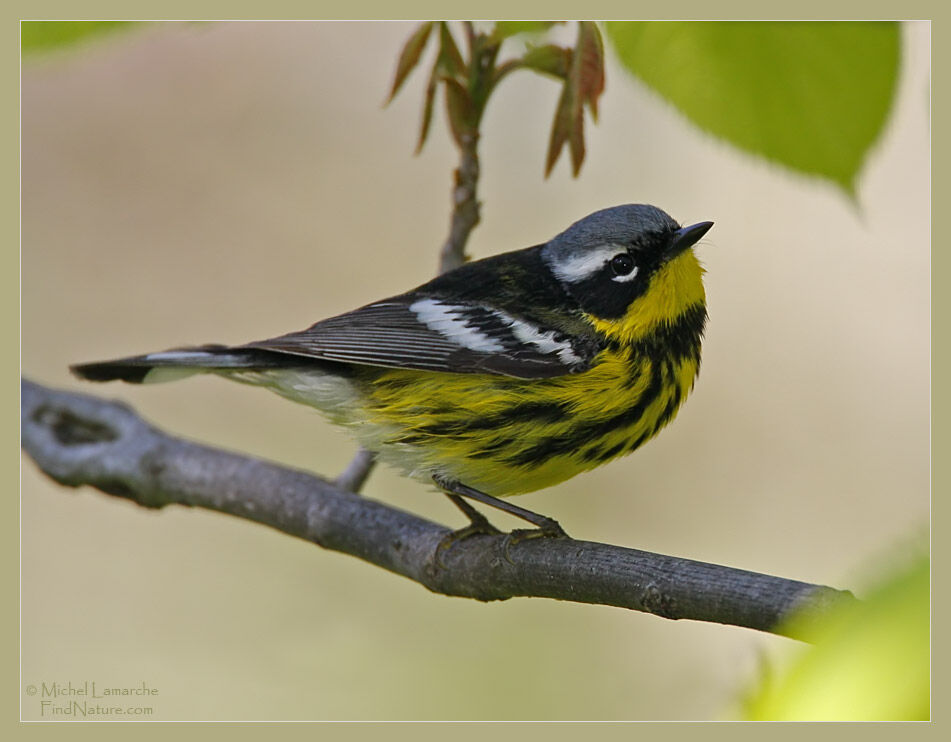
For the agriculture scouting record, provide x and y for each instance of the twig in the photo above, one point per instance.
(465, 217)
(355, 475)
(79, 439)
(465, 205)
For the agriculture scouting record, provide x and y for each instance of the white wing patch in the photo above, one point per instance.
(449, 321)
(456, 323)
(544, 341)
(178, 355)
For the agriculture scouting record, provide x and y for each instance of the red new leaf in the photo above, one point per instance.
(588, 67)
(561, 127)
(583, 85)
(428, 100)
(409, 57)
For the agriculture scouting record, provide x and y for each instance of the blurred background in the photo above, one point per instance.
(223, 182)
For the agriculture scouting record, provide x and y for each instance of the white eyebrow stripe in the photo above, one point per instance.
(577, 267)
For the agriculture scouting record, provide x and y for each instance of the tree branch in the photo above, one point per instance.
(78, 439)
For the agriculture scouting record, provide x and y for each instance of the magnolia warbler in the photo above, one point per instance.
(503, 376)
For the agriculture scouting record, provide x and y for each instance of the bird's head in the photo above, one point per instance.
(629, 268)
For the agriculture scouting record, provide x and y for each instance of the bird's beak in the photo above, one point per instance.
(686, 237)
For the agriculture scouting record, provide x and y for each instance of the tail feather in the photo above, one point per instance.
(175, 364)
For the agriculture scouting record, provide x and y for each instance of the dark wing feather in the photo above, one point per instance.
(425, 333)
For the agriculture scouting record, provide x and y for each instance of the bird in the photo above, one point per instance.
(506, 375)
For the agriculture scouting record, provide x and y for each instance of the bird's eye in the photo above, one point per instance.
(622, 264)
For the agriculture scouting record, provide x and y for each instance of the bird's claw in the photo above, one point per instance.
(550, 528)
(476, 527)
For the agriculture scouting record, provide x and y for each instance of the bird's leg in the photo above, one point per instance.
(478, 523)
(545, 526)
(456, 491)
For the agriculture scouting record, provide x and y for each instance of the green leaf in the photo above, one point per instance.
(813, 96)
(451, 61)
(548, 59)
(409, 57)
(38, 36)
(870, 660)
(459, 110)
(507, 29)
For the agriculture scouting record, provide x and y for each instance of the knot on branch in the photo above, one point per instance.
(656, 601)
(81, 440)
(71, 430)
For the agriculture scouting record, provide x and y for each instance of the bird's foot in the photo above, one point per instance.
(479, 525)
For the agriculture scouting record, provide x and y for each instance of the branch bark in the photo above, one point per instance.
(78, 439)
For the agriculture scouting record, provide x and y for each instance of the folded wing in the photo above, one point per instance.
(432, 334)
